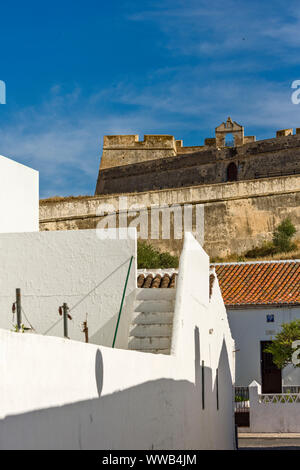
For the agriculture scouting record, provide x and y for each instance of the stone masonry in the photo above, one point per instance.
(237, 215)
(160, 162)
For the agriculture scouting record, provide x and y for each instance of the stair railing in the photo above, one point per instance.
(122, 302)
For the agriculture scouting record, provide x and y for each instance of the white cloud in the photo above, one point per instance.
(196, 28)
(62, 139)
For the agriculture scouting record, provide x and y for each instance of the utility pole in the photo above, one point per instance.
(19, 314)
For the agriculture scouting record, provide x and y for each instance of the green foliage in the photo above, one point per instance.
(281, 243)
(282, 236)
(267, 249)
(149, 257)
(21, 330)
(239, 399)
(281, 347)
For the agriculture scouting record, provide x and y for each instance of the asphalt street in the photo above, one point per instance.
(270, 443)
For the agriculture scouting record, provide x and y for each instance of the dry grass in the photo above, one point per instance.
(234, 257)
(63, 198)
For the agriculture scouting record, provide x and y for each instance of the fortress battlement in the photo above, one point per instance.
(160, 161)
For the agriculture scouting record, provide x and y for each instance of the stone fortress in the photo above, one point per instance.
(160, 161)
(245, 186)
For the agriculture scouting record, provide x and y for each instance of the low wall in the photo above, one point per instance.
(83, 396)
(237, 216)
(275, 413)
(75, 267)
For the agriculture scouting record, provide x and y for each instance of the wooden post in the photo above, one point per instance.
(19, 314)
(65, 314)
(85, 330)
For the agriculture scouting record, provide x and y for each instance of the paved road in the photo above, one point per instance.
(263, 443)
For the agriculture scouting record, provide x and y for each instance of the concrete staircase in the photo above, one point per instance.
(152, 322)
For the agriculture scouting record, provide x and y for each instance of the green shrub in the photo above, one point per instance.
(281, 243)
(149, 257)
(282, 236)
(267, 249)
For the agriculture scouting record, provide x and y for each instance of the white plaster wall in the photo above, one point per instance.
(19, 197)
(89, 397)
(202, 320)
(75, 267)
(249, 327)
(272, 417)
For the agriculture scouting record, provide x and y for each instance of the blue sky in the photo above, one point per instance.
(77, 70)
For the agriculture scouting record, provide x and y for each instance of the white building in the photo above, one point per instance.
(172, 390)
(259, 297)
(19, 197)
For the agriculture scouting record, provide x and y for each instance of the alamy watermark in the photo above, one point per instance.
(296, 354)
(2, 92)
(296, 94)
(152, 222)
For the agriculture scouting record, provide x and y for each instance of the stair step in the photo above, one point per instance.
(150, 306)
(155, 294)
(152, 318)
(142, 344)
(152, 330)
(152, 321)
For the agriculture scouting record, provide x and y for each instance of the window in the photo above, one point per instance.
(229, 140)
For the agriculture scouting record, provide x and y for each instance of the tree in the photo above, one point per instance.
(281, 347)
(149, 257)
(283, 235)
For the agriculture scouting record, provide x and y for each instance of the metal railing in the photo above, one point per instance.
(279, 398)
(241, 399)
(122, 302)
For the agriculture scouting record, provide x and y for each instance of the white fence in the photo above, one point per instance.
(278, 412)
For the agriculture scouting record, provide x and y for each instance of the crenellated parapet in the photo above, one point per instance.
(129, 164)
(119, 150)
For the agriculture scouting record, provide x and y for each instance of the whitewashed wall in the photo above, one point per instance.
(196, 312)
(87, 397)
(75, 267)
(272, 417)
(19, 197)
(249, 327)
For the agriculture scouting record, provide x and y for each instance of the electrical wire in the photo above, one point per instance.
(28, 319)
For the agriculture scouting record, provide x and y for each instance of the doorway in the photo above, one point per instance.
(271, 381)
(232, 172)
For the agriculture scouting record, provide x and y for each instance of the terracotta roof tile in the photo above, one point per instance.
(260, 283)
(252, 283)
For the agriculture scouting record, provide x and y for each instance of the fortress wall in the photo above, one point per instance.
(237, 216)
(145, 169)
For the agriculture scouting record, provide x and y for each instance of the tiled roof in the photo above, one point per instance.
(156, 280)
(260, 283)
(252, 283)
